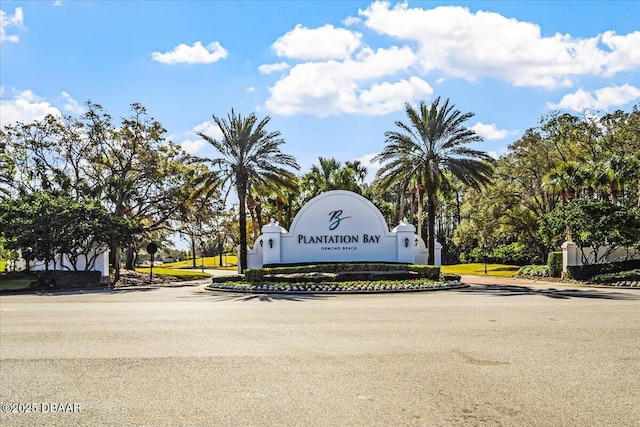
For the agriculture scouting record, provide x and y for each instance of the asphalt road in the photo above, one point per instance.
(488, 355)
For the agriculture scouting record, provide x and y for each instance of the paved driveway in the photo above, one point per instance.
(487, 355)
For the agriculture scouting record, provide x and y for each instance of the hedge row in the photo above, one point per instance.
(429, 272)
(587, 272)
(631, 275)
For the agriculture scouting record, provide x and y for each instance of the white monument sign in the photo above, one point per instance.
(338, 226)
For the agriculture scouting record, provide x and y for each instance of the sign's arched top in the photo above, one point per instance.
(337, 212)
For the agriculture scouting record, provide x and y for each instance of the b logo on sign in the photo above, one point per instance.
(334, 219)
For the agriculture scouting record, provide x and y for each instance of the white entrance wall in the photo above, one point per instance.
(572, 254)
(338, 226)
(100, 264)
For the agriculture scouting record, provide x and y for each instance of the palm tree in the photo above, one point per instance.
(259, 196)
(398, 173)
(331, 175)
(250, 156)
(568, 178)
(281, 200)
(431, 143)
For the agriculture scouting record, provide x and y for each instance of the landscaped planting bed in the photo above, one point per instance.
(337, 287)
(338, 278)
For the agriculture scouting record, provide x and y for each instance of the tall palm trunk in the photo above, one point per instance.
(412, 207)
(242, 196)
(280, 209)
(258, 210)
(420, 190)
(403, 201)
(251, 207)
(431, 225)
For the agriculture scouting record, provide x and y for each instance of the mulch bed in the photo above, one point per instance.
(130, 278)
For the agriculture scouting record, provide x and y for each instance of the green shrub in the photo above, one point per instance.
(586, 272)
(429, 272)
(554, 262)
(535, 271)
(225, 279)
(621, 276)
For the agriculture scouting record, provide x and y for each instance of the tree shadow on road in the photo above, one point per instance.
(266, 297)
(97, 291)
(514, 290)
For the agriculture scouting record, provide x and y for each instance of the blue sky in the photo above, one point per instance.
(332, 75)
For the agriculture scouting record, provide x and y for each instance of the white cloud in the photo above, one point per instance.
(334, 71)
(6, 21)
(208, 128)
(71, 104)
(487, 44)
(325, 42)
(489, 131)
(195, 54)
(270, 68)
(350, 86)
(25, 107)
(625, 51)
(57, 3)
(612, 96)
(387, 97)
(193, 143)
(351, 20)
(250, 89)
(192, 146)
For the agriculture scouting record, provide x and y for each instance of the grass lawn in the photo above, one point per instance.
(179, 273)
(15, 280)
(230, 262)
(496, 270)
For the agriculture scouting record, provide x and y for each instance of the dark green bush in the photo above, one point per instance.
(225, 279)
(586, 272)
(535, 271)
(554, 262)
(67, 280)
(621, 276)
(424, 271)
